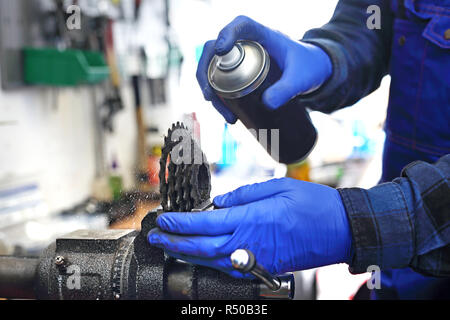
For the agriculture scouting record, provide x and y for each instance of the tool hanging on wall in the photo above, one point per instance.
(142, 162)
(161, 53)
(175, 55)
(113, 100)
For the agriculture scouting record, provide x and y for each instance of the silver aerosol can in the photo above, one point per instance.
(240, 78)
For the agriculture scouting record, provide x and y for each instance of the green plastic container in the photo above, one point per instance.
(52, 67)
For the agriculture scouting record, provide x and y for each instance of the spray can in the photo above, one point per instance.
(240, 78)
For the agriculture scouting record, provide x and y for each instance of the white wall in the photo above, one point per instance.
(47, 136)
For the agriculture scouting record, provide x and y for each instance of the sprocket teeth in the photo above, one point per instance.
(182, 191)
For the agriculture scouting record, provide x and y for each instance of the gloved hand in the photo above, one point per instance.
(304, 67)
(288, 224)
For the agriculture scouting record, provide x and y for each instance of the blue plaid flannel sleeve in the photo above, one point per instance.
(360, 56)
(403, 223)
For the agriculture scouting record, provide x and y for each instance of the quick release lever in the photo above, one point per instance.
(281, 287)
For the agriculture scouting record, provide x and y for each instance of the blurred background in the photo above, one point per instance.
(89, 89)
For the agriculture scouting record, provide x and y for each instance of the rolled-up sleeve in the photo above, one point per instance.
(403, 223)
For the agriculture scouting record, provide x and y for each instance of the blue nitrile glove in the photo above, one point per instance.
(305, 67)
(288, 224)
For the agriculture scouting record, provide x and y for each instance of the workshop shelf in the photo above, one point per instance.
(52, 67)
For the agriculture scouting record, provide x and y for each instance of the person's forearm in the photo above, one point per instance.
(360, 56)
(403, 223)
